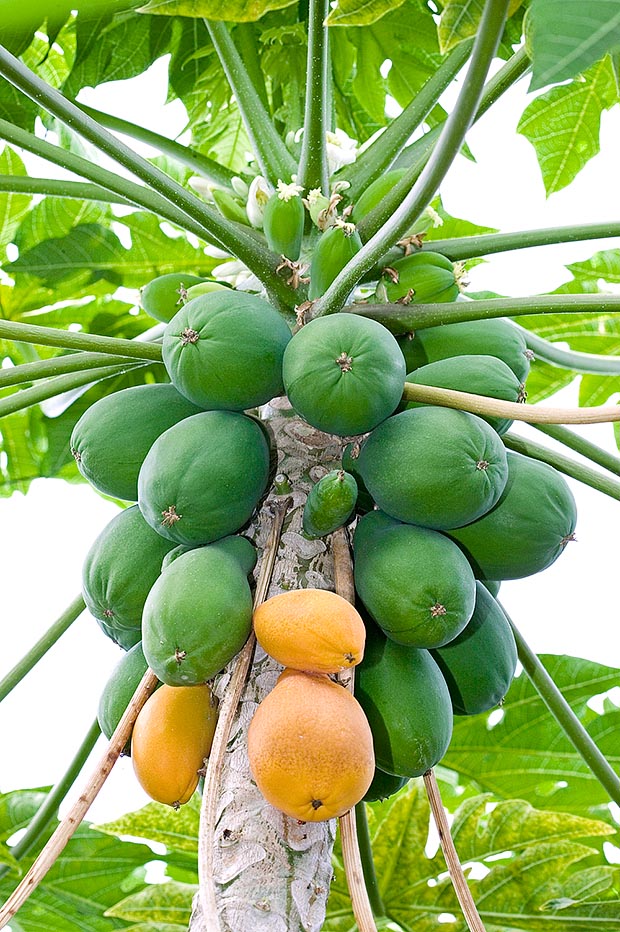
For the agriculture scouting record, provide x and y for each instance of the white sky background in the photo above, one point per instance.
(570, 608)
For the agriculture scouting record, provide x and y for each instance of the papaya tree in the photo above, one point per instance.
(260, 344)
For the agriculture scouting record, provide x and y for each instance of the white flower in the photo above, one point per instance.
(238, 275)
(258, 195)
(286, 191)
(202, 187)
(341, 150)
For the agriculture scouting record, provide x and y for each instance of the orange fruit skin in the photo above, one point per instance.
(312, 630)
(171, 737)
(310, 747)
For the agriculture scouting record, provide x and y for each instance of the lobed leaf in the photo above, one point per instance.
(360, 12)
(237, 11)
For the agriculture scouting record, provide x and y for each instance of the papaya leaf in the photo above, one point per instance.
(596, 389)
(453, 227)
(54, 217)
(178, 831)
(545, 380)
(13, 207)
(563, 124)
(169, 902)
(154, 253)
(566, 38)
(157, 927)
(360, 12)
(602, 265)
(20, 462)
(237, 11)
(461, 18)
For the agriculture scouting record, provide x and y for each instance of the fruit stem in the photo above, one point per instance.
(463, 893)
(49, 807)
(564, 464)
(66, 828)
(564, 716)
(38, 650)
(57, 365)
(54, 187)
(368, 864)
(580, 445)
(228, 708)
(68, 339)
(313, 170)
(571, 359)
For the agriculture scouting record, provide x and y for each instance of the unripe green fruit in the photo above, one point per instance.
(334, 249)
(161, 298)
(421, 278)
(383, 786)
(230, 207)
(205, 288)
(119, 689)
(283, 225)
(330, 503)
(375, 193)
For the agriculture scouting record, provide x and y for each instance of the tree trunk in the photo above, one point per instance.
(272, 873)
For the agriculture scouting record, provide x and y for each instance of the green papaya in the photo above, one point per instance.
(283, 221)
(197, 616)
(113, 436)
(203, 478)
(383, 786)
(237, 546)
(528, 528)
(436, 467)
(224, 350)
(335, 247)
(480, 375)
(161, 298)
(376, 192)
(349, 464)
(407, 704)
(344, 374)
(229, 206)
(415, 583)
(479, 664)
(495, 337)
(330, 503)
(206, 287)
(118, 691)
(493, 585)
(121, 566)
(421, 278)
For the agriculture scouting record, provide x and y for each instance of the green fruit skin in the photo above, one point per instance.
(349, 464)
(495, 337)
(528, 528)
(121, 566)
(111, 439)
(235, 362)
(407, 704)
(204, 288)
(493, 586)
(376, 192)
(424, 274)
(330, 503)
(383, 786)
(283, 225)
(480, 375)
(422, 466)
(331, 399)
(418, 590)
(479, 664)
(197, 616)
(161, 299)
(211, 469)
(118, 691)
(230, 207)
(237, 546)
(333, 250)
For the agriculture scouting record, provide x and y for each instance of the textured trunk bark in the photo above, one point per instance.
(272, 874)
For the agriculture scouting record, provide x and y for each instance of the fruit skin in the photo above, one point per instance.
(237, 546)
(418, 590)
(495, 337)
(375, 192)
(335, 247)
(528, 528)
(310, 629)
(383, 786)
(407, 702)
(330, 503)
(161, 298)
(435, 467)
(202, 479)
(197, 616)
(171, 738)
(283, 223)
(421, 278)
(480, 375)
(344, 374)
(206, 287)
(119, 689)
(479, 664)
(224, 350)
(310, 747)
(111, 439)
(120, 567)
(349, 464)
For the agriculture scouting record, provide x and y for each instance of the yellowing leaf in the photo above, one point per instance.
(235, 11)
(360, 12)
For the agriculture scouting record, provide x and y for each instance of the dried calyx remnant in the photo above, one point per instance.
(345, 362)
(170, 516)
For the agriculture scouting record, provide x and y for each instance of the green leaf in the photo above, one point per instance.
(360, 12)
(169, 902)
(567, 37)
(545, 380)
(605, 265)
(13, 207)
(154, 253)
(54, 218)
(237, 11)
(453, 227)
(21, 462)
(178, 831)
(563, 124)
(461, 18)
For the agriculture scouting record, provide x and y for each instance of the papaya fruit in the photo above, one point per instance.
(335, 247)
(344, 374)
(407, 703)
(197, 616)
(349, 464)
(161, 298)
(237, 546)
(119, 689)
(171, 738)
(230, 206)
(224, 350)
(415, 583)
(493, 585)
(376, 192)
(435, 467)
(480, 375)
(283, 221)
(495, 337)
(206, 287)
(310, 629)
(120, 567)
(202, 478)
(383, 786)
(528, 528)
(310, 747)
(479, 664)
(421, 278)
(113, 436)
(330, 503)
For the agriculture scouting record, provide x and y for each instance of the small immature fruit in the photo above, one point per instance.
(283, 220)
(310, 747)
(230, 206)
(224, 350)
(336, 246)
(171, 738)
(375, 192)
(421, 278)
(119, 689)
(344, 374)
(310, 629)
(161, 298)
(330, 503)
(383, 786)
